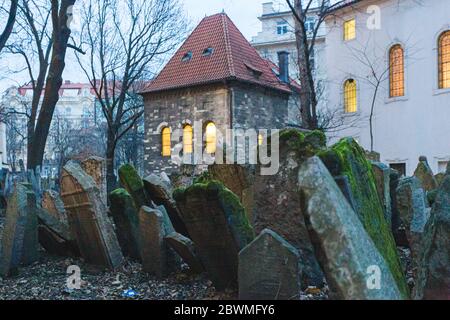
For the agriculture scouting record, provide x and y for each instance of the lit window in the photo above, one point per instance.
(350, 30)
(187, 56)
(444, 60)
(166, 144)
(396, 71)
(260, 139)
(211, 138)
(188, 139)
(350, 97)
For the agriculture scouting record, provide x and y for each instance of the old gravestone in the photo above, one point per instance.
(51, 201)
(269, 269)
(348, 158)
(218, 226)
(343, 247)
(382, 175)
(433, 280)
(425, 175)
(87, 218)
(19, 244)
(185, 248)
(132, 182)
(96, 168)
(126, 220)
(277, 204)
(158, 190)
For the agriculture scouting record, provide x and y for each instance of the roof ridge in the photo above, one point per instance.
(229, 53)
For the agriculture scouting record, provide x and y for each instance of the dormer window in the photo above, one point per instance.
(187, 56)
(207, 52)
(255, 71)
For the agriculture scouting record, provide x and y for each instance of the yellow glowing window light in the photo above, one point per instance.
(350, 29)
(260, 139)
(211, 138)
(396, 71)
(444, 60)
(350, 97)
(166, 145)
(188, 139)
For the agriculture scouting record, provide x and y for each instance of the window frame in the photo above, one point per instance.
(441, 71)
(191, 142)
(344, 94)
(344, 31)
(209, 148)
(391, 71)
(164, 144)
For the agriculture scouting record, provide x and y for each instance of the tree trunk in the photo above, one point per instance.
(111, 180)
(9, 24)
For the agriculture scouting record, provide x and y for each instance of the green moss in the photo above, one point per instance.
(204, 177)
(129, 178)
(317, 139)
(349, 158)
(431, 196)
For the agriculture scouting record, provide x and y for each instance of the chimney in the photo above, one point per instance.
(268, 8)
(67, 82)
(283, 65)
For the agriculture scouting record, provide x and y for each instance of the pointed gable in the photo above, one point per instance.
(215, 51)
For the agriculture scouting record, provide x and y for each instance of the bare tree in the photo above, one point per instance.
(9, 23)
(126, 41)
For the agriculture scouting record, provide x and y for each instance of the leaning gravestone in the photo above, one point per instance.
(348, 158)
(425, 175)
(347, 254)
(433, 281)
(161, 194)
(185, 248)
(19, 244)
(132, 182)
(51, 201)
(382, 175)
(126, 220)
(277, 205)
(269, 269)
(87, 217)
(96, 168)
(219, 227)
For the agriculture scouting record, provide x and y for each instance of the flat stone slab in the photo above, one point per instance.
(132, 182)
(269, 269)
(96, 168)
(52, 203)
(185, 248)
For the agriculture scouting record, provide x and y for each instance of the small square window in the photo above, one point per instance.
(350, 30)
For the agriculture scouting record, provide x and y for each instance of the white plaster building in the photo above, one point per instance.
(410, 53)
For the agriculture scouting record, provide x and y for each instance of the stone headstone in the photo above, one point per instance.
(382, 175)
(269, 269)
(394, 179)
(96, 168)
(439, 178)
(344, 185)
(277, 206)
(159, 192)
(132, 182)
(346, 252)
(19, 246)
(155, 253)
(51, 201)
(433, 280)
(185, 248)
(425, 175)
(126, 220)
(218, 226)
(348, 158)
(87, 218)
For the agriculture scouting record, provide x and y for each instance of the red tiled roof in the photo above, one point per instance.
(232, 58)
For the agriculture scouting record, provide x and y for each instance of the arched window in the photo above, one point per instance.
(396, 71)
(166, 144)
(350, 98)
(444, 60)
(188, 137)
(211, 138)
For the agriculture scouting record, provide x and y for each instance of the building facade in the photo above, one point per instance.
(219, 80)
(388, 65)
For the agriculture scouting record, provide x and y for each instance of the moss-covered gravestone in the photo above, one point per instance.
(269, 269)
(126, 219)
(425, 175)
(132, 182)
(348, 158)
(382, 175)
(87, 217)
(219, 227)
(19, 246)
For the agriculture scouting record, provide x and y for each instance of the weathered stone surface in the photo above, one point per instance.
(55, 237)
(382, 175)
(413, 213)
(343, 247)
(439, 178)
(185, 248)
(269, 269)
(19, 244)
(348, 158)
(126, 220)
(425, 175)
(219, 227)
(159, 192)
(394, 179)
(277, 205)
(96, 168)
(132, 182)
(155, 253)
(51, 201)
(433, 281)
(344, 185)
(87, 217)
